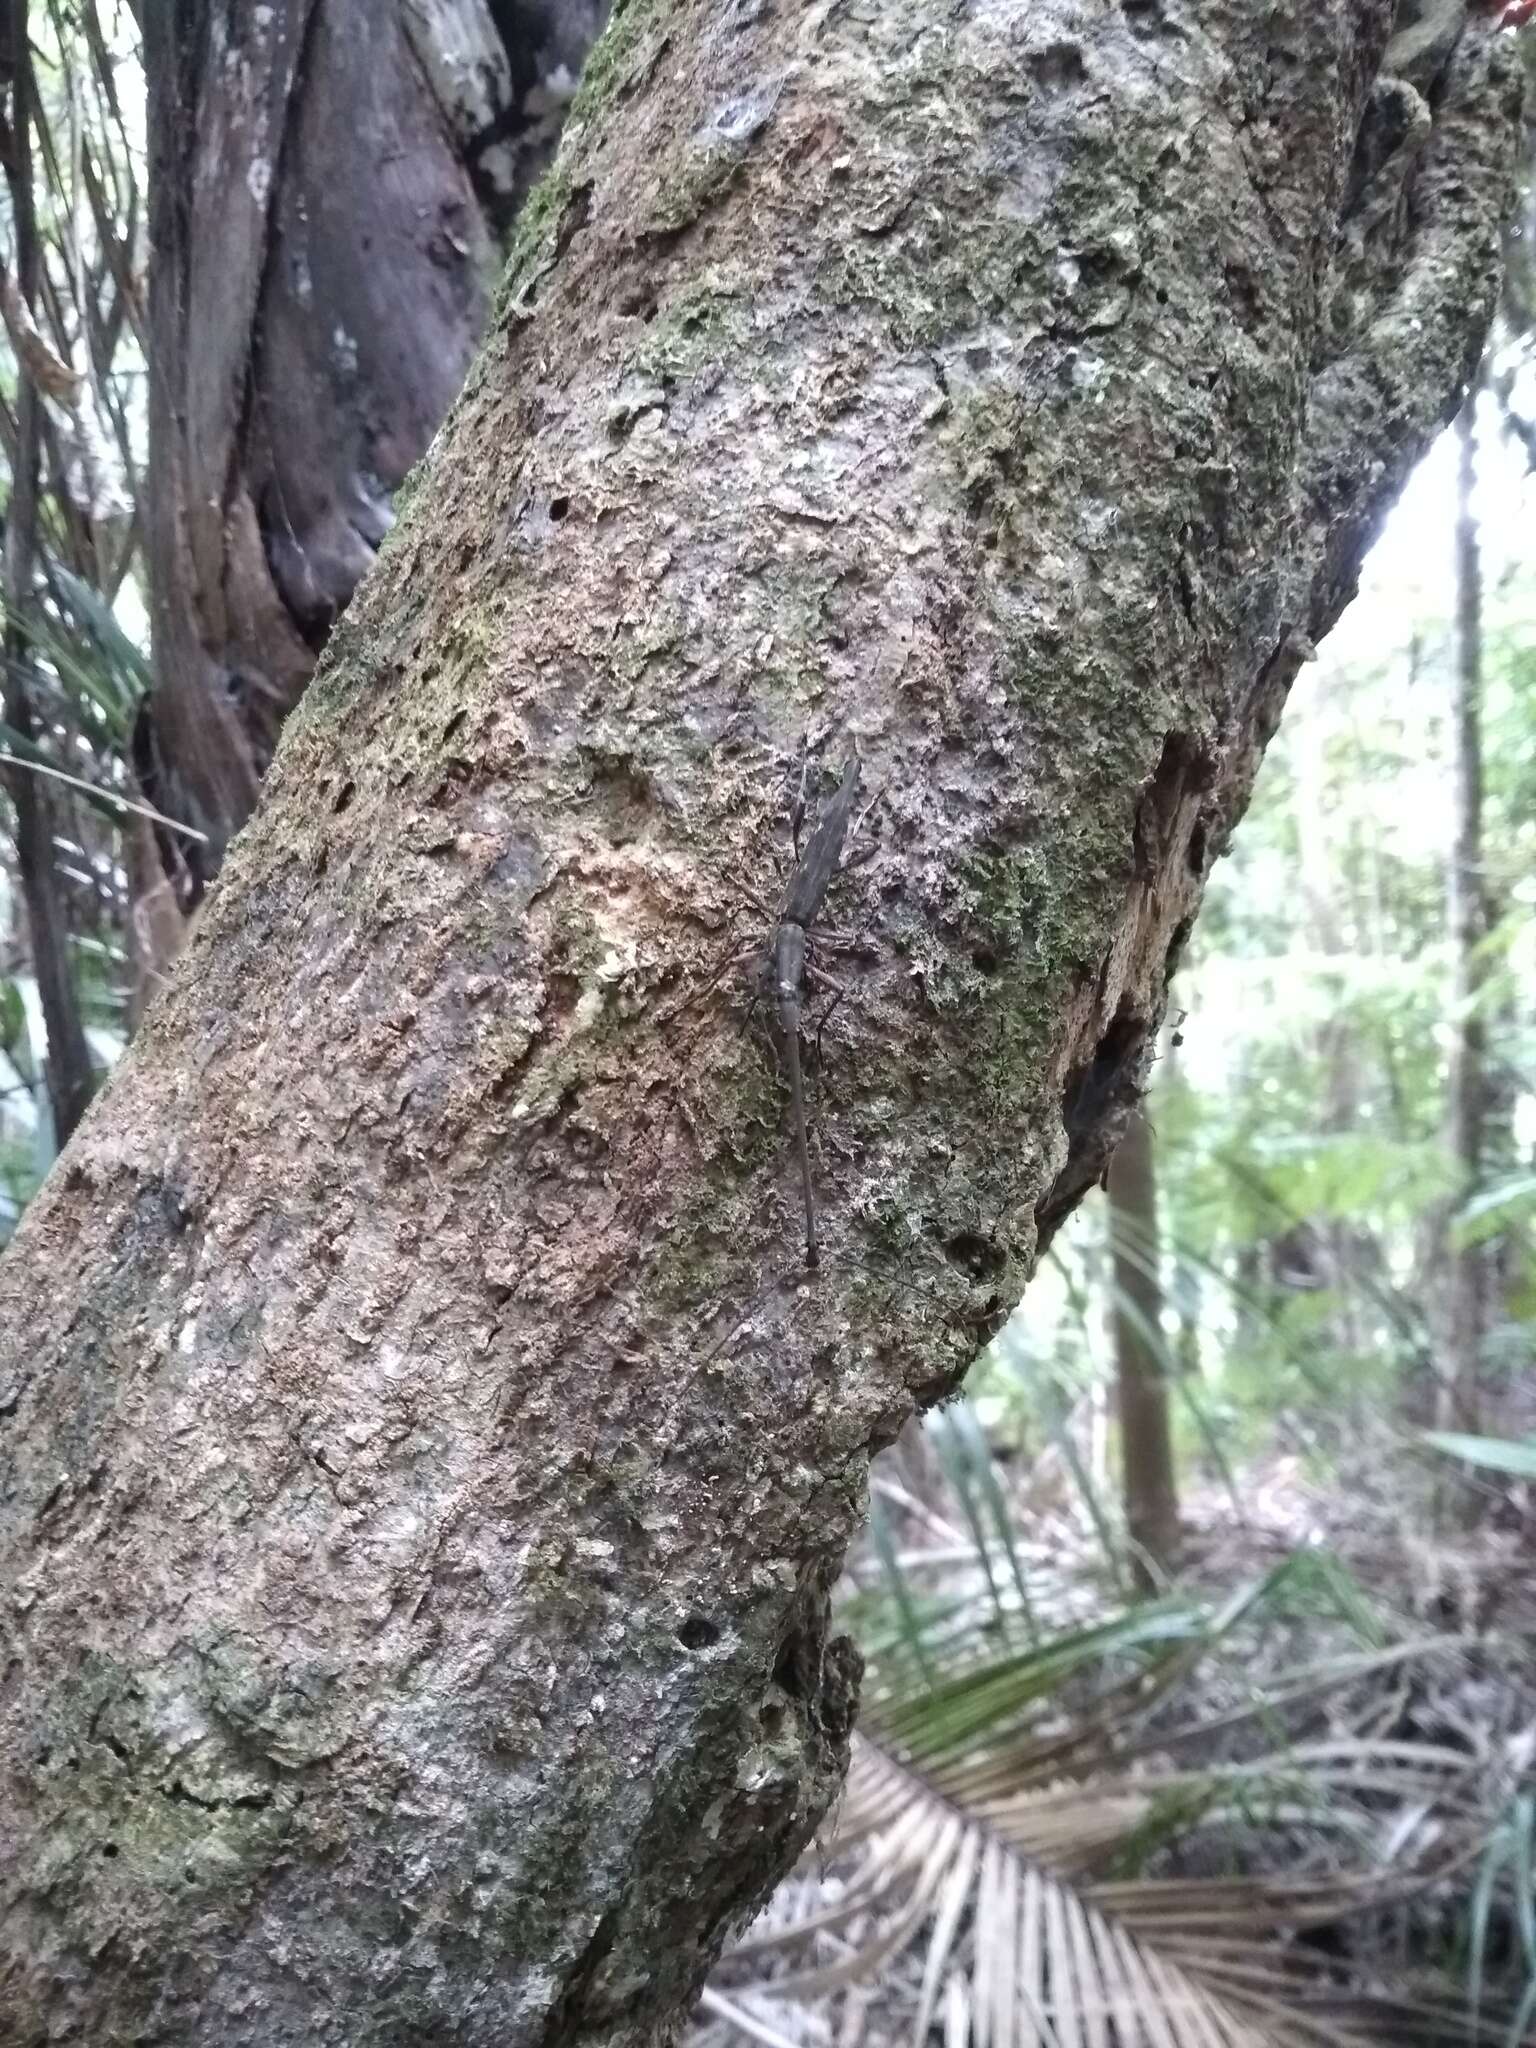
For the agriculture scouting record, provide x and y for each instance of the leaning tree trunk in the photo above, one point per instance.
(429, 1453)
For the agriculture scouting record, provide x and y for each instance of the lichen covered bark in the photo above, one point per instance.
(427, 1455)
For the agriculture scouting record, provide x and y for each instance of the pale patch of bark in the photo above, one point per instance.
(428, 1455)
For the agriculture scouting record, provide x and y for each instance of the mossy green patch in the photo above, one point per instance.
(533, 236)
(126, 1813)
(987, 437)
(696, 176)
(686, 1274)
(696, 326)
(931, 280)
(620, 56)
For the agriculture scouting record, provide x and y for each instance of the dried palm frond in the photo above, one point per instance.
(987, 1870)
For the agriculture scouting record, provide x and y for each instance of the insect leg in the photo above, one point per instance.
(789, 974)
(839, 990)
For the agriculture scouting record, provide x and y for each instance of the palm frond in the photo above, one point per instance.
(987, 1873)
(1011, 1953)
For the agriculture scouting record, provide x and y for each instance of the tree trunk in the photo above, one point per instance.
(326, 185)
(430, 1455)
(1467, 1278)
(1148, 1486)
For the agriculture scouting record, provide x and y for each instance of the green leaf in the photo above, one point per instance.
(1493, 1453)
(1491, 1208)
(97, 617)
(13, 1016)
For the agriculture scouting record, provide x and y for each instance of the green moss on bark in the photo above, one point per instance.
(621, 56)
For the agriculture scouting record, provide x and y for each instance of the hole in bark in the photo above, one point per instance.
(1176, 947)
(344, 796)
(1058, 66)
(109, 1848)
(558, 507)
(1185, 770)
(978, 1255)
(789, 1669)
(455, 722)
(698, 1633)
(1115, 1057)
(984, 960)
(1246, 299)
(1098, 1097)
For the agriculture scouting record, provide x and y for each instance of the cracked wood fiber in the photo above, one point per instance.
(425, 1455)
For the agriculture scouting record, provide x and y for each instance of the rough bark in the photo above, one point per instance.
(428, 1454)
(1517, 310)
(1468, 1273)
(1149, 1488)
(326, 184)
